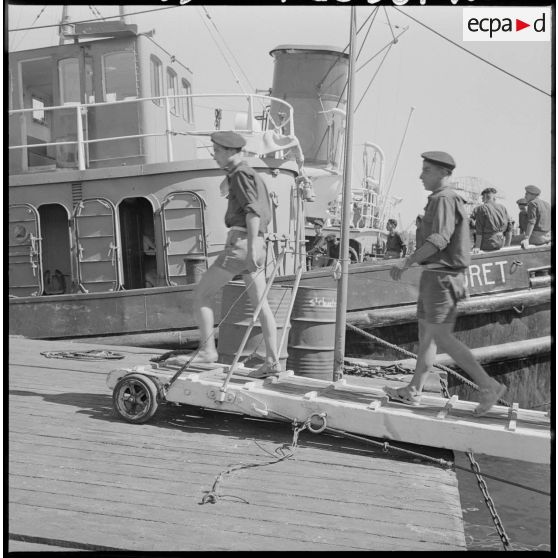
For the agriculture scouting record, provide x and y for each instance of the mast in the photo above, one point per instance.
(341, 310)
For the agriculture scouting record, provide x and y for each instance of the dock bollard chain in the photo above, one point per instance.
(490, 503)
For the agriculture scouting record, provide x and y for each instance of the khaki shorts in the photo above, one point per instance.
(233, 257)
(439, 292)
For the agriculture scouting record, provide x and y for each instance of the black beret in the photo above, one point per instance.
(532, 190)
(521, 201)
(228, 139)
(439, 158)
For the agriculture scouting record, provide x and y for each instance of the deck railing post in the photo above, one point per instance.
(251, 113)
(80, 146)
(169, 130)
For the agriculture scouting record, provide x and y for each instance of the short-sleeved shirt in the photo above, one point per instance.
(491, 218)
(394, 243)
(538, 212)
(446, 225)
(247, 194)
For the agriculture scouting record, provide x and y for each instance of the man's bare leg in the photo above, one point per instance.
(255, 285)
(213, 280)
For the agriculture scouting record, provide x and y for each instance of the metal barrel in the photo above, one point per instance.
(311, 344)
(196, 266)
(237, 317)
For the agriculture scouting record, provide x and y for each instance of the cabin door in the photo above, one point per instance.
(137, 238)
(24, 251)
(184, 236)
(97, 249)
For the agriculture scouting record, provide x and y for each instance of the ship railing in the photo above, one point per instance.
(248, 125)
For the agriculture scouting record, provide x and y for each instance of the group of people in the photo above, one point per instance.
(493, 227)
(443, 253)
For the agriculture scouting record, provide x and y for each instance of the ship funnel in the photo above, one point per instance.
(313, 79)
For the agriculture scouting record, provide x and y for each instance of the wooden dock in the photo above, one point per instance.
(82, 479)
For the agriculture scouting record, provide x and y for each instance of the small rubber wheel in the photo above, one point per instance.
(135, 398)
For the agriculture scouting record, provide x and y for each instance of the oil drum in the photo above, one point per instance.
(196, 266)
(236, 317)
(311, 344)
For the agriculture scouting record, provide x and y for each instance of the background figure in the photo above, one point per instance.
(333, 247)
(395, 246)
(538, 219)
(316, 250)
(493, 225)
(522, 217)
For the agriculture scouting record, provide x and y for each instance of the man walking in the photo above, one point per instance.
(247, 217)
(444, 255)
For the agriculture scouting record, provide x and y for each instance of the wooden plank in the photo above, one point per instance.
(79, 477)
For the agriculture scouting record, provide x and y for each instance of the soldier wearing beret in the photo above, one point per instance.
(493, 226)
(444, 255)
(317, 247)
(537, 231)
(247, 217)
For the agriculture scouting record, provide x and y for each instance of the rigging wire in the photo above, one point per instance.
(374, 76)
(96, 12)
(236, 79)
(389, 23)
(32, 27)
(474, 54)
(228, 49)
(395, 164)
(373, 14)
(90, 20)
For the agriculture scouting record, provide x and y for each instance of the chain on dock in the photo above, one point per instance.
(285, 451)
(474, 465)
(490, 503)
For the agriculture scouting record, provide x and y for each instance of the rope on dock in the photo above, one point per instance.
(93, 354)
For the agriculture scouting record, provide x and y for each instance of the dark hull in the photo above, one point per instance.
(374, 300)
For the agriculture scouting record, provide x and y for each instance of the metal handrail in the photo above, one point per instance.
(81, 108)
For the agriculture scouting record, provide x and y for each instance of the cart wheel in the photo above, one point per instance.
(135, 398)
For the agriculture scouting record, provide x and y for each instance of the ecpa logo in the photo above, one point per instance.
(506, 24)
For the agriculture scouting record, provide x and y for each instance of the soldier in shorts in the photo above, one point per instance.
(444, 256)
(247, 217)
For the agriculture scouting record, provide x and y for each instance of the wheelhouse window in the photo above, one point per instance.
(68, 76)
(156, 79)
(172, 89)
(70, 82)
(119, 69)
(38, 107)
(89, 91)
(187, 101)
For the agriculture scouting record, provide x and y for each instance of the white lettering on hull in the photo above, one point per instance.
(490, 273)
